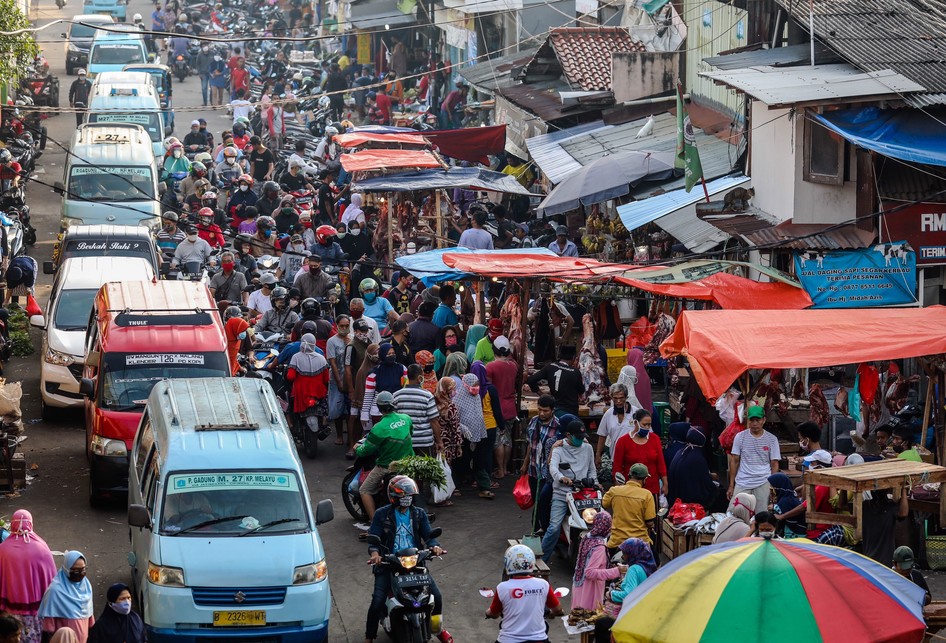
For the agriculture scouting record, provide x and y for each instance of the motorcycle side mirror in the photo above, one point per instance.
(324, 512)
(48, 268)
(371, 539)
(486, 592)
(38, 321)
(435, 532)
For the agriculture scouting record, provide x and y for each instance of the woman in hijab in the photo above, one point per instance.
(591, 565)
(473, 427)
(678, 440)
(236, 329)
(26, 570)
(492, 411)
(118, 624)
(785, 501)
(474, 334)
(635, 358)
(639, 559)
(367, 365)
(308, 372)
(689, 476)
(449, 425)
(628, 378)
(68, 599)
(425, 359)
(448, 342)
(64, 635)
(455, 366)
(354, 211)
(736, 524)
(388, 375)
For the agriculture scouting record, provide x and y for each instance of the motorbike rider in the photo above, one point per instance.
(286, 216)
(309, 373)
(241, 134)
(295, 180)
(169, 237)
(268, 202)
(326, 247)
(259, 300)
(522, 600)
(229, 171)
(243, 196)
(310, 312)
(174, 163)
(243, 253)
(377, 308)
(11, 172)
(228, 284)
(299, 157)
(399, 525)
(195, 188)
(198, 172)
(264, 241)
(314, 282)
(279, 319)
(178, 44)
(292, 259)
(580, 456)
(208, 230)
(79, 92)
(327, 149)
(192, 249)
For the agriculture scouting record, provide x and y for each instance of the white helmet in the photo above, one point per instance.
(519, 559)
(137, 17)
(169, 141)
(325, 102)
(330, 132)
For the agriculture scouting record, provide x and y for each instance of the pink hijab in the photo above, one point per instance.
(635, 358)
(26, 567)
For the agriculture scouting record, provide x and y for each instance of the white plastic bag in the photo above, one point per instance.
(443, 494)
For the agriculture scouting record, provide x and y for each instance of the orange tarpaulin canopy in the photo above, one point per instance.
(730, 292)
(357, 139)
(388, 160)
(721, 345)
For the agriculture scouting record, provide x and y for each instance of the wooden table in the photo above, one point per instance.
(870, 476)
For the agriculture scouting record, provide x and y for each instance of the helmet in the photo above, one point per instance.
(176, 145)
(205, 213)
(399, 486)
(244, 121)
(310, 305)
(169, 141)
(208, 195)
(347, 125)
(268, 278)
(279, 294)
(270, 186)
(309, 326)
(229, 151)
(325, 102)
(265, 222)
(519, 559)
(170, 216)
(203, 157)
(245, 178)
(324, 232)
(200, 186)
(5, 156)
(198, 169)
(297, 75)
(331, 131)
(182, 17)
(242, 239)
(367, 284)
(231, 312)
(137, 17)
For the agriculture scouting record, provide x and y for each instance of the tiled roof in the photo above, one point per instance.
(584, 53)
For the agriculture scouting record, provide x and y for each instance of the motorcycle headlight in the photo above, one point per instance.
(167, 576)
(108, 446)
(58, 358)
(588, 515)
(311, 573)
(408, 562)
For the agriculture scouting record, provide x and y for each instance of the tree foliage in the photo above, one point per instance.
(16, 51)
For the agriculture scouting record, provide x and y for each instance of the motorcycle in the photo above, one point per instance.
(181, 68)
(584, 503)
(354, 476)
(410, 603)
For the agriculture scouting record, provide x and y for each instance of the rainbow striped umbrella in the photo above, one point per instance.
(772, 590)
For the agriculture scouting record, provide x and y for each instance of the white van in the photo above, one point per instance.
(110, 177)
(224, 541)
(135, 104)
(70, 305)
(131, 78)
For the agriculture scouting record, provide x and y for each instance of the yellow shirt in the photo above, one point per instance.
(631, 506)
(488, 413)
(522, 173)
(344, 62)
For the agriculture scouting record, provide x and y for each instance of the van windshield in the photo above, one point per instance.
(127, 378)
(110, 183)
(82, 30)
(147, 119)
(116, 54)
(107, 247)
(73, 309)
(233, 503)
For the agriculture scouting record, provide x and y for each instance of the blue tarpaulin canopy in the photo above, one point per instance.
(430, 268)
(905, 134)
(473, 178)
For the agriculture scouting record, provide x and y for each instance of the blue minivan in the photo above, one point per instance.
(118, 9)
(225, 545)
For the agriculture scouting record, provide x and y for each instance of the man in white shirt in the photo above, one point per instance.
(298, 157)
(259, 300)
(755, 456)
(241, 108)
(615, 422)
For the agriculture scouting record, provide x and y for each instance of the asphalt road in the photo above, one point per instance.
(475, 530)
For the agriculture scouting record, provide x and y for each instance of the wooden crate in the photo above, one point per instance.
(673, 542)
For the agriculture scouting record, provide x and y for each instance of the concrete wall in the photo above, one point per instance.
(538, 16)
(712, 27)
(777, 169)
(641, 75)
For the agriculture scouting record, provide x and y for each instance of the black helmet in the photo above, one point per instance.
(279, 294)
(309, 326)
(231, 312)
(310, 305)
(270, 186)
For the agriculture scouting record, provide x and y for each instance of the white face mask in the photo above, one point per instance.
(178, 153)
(298, 247)
(244, 188)
(355, 232)
(205, 49)
(192, 238)
(231, 160)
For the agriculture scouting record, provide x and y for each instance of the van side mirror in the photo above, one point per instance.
(58, 187)
(87, 387)
(48, 268)
(139, 516)
(63, 35)
(324, 512)
(38, 321)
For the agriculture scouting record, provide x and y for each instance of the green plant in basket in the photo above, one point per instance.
(421, 468)
(19, 330)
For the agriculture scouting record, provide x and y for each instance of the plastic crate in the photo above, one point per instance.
(936, 552)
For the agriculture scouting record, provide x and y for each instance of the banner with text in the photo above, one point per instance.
(882, 275)
(922, 225)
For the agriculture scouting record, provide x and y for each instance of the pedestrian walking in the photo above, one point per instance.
(79, 95)
(26, 570)
(118, 624)
(68, 599)
(202, 65)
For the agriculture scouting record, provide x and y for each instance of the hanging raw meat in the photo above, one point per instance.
(840, 400)
(819, 405)
(665, 325)
(512, 312)
(589, 363)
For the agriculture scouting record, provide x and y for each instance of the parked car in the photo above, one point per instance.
(79, 39)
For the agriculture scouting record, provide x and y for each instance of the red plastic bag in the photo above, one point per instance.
(32, 308)
(683, 512)
(728, 436)
(522, 493)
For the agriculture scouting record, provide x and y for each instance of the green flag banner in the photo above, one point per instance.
(688, 157)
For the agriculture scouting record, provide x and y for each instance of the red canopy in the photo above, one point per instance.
(469, 144)
(730, 292)
(721, 345)
(366, 160)
(359, 139)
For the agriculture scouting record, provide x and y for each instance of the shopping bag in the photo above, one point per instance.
(443, 494)
(684, 512)
(522, 493)
(32, 308)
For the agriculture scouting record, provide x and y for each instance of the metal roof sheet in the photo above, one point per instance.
(546, 150)
(543, 100)
(777, 86)
(797, 236)
(490, 74)
(373, 14)
(736, 224)
(775, 57)
(696, 235)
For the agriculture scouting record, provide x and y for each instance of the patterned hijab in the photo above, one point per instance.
(637, 552)
(597, 537)
(473, 425)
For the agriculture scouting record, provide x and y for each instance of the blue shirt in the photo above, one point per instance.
(404, 533)
(378, 311)
(444, 316)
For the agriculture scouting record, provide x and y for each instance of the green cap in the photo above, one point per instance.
(903, 557)
(756, 411)
(639, 471)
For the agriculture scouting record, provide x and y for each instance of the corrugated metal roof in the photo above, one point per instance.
(797, 236)
(473, 7)
(736, 224)
(907, 36)
(898, 181)
(487, 75)
(775, 57)
(782, 86)
(637, 213)
(925, 100)
(694, 234)
(546, 150)
(372, 14)
(542, 99)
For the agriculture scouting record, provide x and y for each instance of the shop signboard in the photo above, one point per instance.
(882, 275)
(922, 225)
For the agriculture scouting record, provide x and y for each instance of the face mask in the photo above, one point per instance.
(361, 337)
(429, 368)
(217, 59)
(341, 235)
(122, 607)
(767, 534)
(406, 501)
(355, 232)
(307, 224)
(374, 358)
(343, 332)
(242, 335)
(803, 445)
(226, 265)
(370, 297)
(205, 49)
(472, 390)
(298, 247)
(287, 211)
(390, 358)
(192, 238)
(314, 270)
(575, 441)
(450, 341)
(642, 432)
(231, 160)
(76, 577)
(244, 188)
(177, 154)
(267, 233)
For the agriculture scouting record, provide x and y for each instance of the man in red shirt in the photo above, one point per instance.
(503, 373)
(383, 102)
(239, 77)
(10, 170)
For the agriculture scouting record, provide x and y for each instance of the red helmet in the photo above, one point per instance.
(324, 232)
(246, 178)
(205, 213)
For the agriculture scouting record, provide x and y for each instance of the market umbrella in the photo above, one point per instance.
(772, 590)
(606, 178)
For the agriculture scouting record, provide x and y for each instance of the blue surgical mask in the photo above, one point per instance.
(642, 432)
(370, 297)
(267, 233)
(242, 335)
(122, 607)
(575, 441)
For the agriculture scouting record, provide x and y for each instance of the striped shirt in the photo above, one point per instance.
(420, 406)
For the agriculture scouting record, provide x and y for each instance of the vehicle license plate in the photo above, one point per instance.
(239, 618)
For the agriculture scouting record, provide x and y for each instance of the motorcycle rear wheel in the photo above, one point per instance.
(352, 504)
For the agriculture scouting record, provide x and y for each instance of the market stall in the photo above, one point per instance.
(473, 144)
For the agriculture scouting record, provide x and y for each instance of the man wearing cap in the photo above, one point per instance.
(903, 564)
(755, 456)
(562, 246)
(292, 259)
(313, 283)
(400, 294)
(564, 380)
(522, 238)
(79, 95)
(169, 237)
(632, 507)
(389, 440)
(580, 458)
(356, 307)
(484, 347)
(195, 139)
